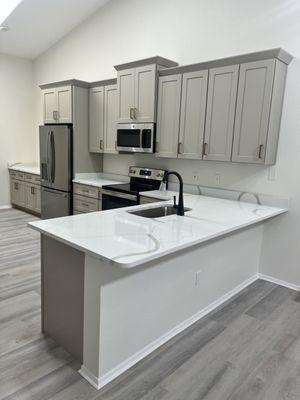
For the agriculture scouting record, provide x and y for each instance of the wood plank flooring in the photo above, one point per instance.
(247, 349)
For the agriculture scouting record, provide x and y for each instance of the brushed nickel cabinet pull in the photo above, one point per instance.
(205, 147)
(115, 145)
(32, 190)
(180, 148)
(134, 113)
(260, 151)
(131, 113)
(101, 144)
(156, 147)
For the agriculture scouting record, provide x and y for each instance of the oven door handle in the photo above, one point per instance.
(118, 194)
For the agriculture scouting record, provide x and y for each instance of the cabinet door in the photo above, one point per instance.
(252, 111)
(221, 101)
(110, 118)
(64, 105)
(50, 106)
(18, 193)
(168, 115)
(96, 119)
(126, 95)
(192, 119)
(145, 89)
(29, 196)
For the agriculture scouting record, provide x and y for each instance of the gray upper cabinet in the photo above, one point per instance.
(57, 105)
(253, 111)
(145, 93)
(126, 79)
(103, 118)
(110, 119)
(168, 115)
(137, 88)
(96, 120)
(50, 105)
(221, 102)
(192, 118)
(64, 104)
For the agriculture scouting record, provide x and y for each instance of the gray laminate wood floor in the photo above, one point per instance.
(248, 349)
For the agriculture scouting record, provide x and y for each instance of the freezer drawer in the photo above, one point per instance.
(55, 203)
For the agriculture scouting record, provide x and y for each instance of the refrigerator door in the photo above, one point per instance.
(56, 157)
(44, 155)
(55, 204)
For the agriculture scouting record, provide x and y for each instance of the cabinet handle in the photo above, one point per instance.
(156, 147)
(55, 115)
(260, 151)
(204, 151)
(131, 113)
(32, 190)
(101, 144)
(134, 113)
(180, 148)
(85, 204)
(116, 145)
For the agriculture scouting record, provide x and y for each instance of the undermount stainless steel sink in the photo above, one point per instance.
(156, 212)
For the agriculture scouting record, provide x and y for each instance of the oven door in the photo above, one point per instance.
(112, 199)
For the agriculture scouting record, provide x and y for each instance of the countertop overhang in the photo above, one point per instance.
(128, 241)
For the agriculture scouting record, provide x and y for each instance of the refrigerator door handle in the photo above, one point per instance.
(52, 157)
(48, 157)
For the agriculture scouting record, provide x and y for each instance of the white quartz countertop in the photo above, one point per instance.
(98, 180)
(129, 240)
(30, 168)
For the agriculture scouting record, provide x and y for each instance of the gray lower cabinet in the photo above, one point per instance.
(32, 197)
(192, 116)
(25, 191)
(168, 115)
(258, 111)
(86, 199)
(17, 190)
(221, 102)
(148, 200)
(103, 117)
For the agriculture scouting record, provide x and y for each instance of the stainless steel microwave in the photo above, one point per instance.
(136, 138)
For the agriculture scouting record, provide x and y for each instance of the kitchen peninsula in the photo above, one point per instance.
(112, 277)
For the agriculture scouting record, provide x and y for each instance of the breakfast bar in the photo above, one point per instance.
(117, 285)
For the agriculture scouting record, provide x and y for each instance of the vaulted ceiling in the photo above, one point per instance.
(35, 25)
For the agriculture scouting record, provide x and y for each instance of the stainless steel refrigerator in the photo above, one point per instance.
(56, 170)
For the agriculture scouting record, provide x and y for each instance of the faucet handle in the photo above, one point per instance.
(174, 202)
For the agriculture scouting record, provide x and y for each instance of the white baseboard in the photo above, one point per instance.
(279, 282)
(98, 383)
(5, 207)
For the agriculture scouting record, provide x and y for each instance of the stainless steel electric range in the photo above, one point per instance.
(128, 194)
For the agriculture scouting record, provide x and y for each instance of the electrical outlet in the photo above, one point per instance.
(217, 178)
(272, 173)
(198, 277)
(195, 175)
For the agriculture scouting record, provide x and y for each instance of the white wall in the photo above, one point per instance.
(190, 31)
(17, 104)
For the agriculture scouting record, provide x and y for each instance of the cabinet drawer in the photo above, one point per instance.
(17, 175)
(88, 191)
(147, 200)
(32, 179)
(85, 204)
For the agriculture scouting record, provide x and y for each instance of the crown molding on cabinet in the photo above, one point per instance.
(163, 62)
(69, 82)
(105, 82)
(278, 53)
